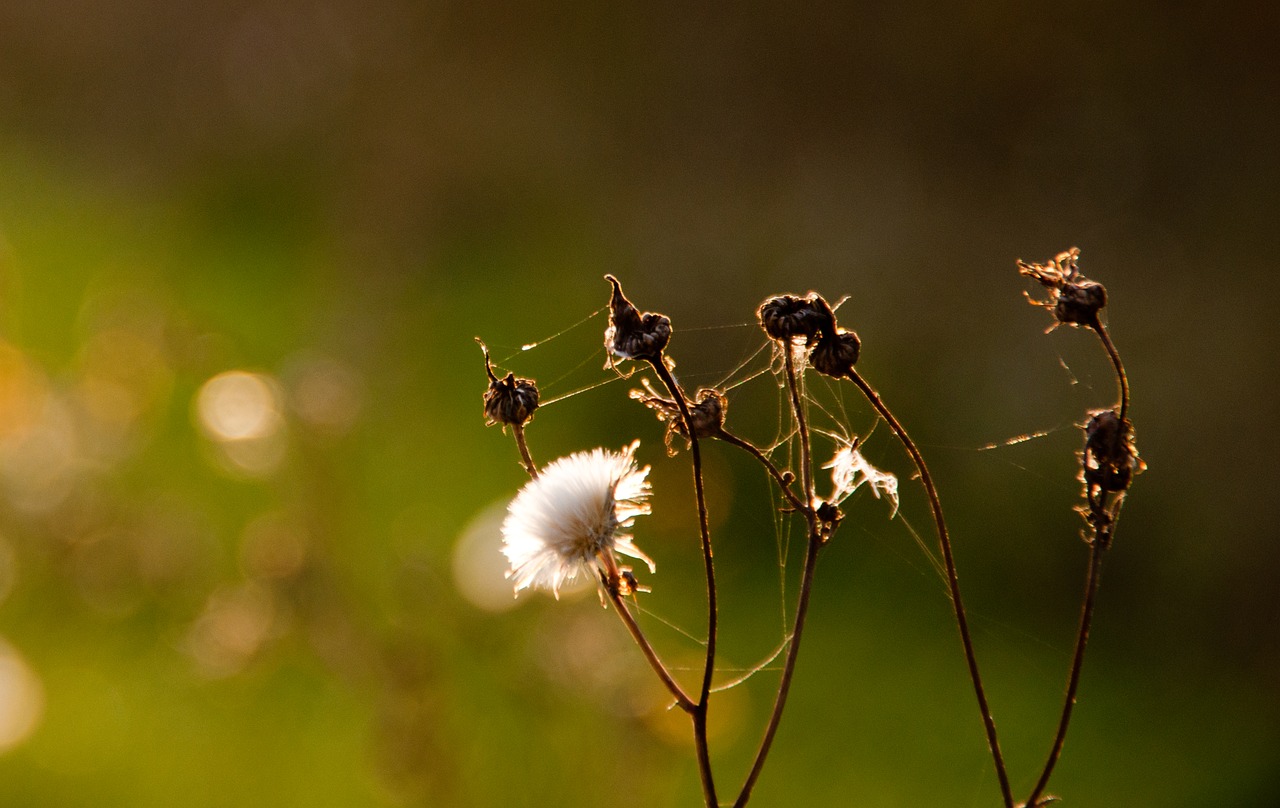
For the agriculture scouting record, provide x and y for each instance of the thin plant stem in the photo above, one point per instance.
(700, 712)
(1103, 529)
(953, 580)
(788, 670)
(1121, 376)
(806, 588)
(518, 430)
(805, 457)
(1077, 662)
(682, 699)
(783, 484)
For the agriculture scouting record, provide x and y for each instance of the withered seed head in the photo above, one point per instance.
(632, 335)
(787, 317)
(836, 353)
(1110, 457)
(509, 400)
(1079, 303)
(707, 414)
(1075, 300)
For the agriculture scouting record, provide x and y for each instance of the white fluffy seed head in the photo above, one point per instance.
(572, 517)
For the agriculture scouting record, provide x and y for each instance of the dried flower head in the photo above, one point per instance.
(707, 414)
(572, 517)
(850, 470)
(836, 353)
(1110, 458)
(509, 400)
(632, 335)
(788, 317)
(1075, 300)
(810, 321)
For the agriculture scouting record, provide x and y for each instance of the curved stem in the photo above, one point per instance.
(953, 580)
(524, 451)
(1077, 661)
(783, 485)
(682, 699)
(806, 585)
(784, 684)
(704, 693)
(805, 458)
(1121, 377)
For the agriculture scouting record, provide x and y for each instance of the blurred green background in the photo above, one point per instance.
(248, 503)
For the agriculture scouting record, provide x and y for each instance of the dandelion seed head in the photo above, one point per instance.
(573, 517)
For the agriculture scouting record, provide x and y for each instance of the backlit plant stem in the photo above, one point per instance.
(682, 699)
(1077, 662)
(699, 712)
(527, 458)
(953, 580)
(1101, 541)
(1121, 377)
(806, 587)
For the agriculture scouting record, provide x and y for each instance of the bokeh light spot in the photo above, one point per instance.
(238, 405)
(21, 698)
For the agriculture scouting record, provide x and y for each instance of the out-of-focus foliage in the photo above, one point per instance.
(248, 505)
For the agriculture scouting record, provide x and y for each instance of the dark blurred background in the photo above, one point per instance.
(248, 505)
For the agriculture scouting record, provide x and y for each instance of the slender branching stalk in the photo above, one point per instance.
(783, 480)
(619, 605)
(704, 694)
(1073, 680)
(1121, 377)
(518, 430)
(1102, 512)
(953, 580)
(1109, 460)
(806, 586)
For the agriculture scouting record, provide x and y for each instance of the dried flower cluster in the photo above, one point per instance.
(810, 322)
(1074, 301)
(574, 516)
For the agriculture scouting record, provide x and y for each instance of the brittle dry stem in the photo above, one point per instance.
(682, 699)
(806, 587)
(524, 451)
(783, 484)
(1121, 376)
(1101, 541)
(953, 580)
(1077, 662)
(700, 712)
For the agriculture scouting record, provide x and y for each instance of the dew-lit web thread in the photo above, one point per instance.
(616, 376)
(674, 627)
(594, 355)
(1062, 362)
(529, 346)
(747, 673)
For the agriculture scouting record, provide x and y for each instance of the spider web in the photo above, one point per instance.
(836, 415)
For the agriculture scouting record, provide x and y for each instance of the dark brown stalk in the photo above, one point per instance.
(1103, 529)
(527, 458)
(682, 699)
(806, 587)
(1077, 662)
(788, 670)
(1121, 377)
(953, 580)
(783, 483)
(700, 709)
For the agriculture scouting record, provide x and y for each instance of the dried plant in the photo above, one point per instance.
(573, 516)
